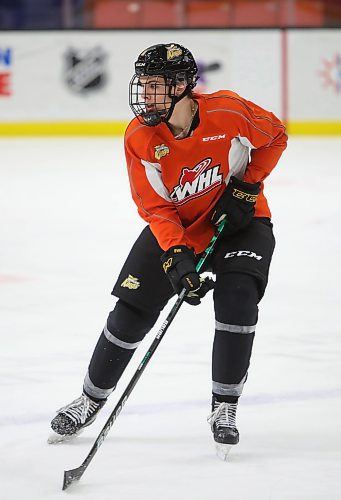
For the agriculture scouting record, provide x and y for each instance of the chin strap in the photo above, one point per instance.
(175, 100)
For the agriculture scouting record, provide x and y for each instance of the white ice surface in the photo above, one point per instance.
(67, 222)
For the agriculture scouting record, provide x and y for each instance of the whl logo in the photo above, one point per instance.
(196, 182)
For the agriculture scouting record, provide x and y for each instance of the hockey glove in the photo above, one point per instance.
(237, 205)
(179, 264)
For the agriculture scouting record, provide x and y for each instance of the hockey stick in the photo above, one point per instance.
(75, 474)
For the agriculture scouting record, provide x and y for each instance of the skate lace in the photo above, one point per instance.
(223, 415)
(80, 409)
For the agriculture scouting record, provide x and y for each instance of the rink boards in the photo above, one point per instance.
(76, 82)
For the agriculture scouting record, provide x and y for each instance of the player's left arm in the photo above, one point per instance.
(265, 134)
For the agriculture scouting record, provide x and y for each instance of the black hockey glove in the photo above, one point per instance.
(237, 205)
(179, 264)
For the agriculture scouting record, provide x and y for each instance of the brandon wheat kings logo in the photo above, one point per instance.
(131, 282)
(196, 182)
(160, 151)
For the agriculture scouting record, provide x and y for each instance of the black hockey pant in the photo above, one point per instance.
(235, 299)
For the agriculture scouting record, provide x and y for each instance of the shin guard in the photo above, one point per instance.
(236, 297)
(124, 330)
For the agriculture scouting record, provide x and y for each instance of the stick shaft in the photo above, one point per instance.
(76, 474)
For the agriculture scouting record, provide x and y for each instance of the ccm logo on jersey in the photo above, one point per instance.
(196, 182)
(214, 138)
(243, 253)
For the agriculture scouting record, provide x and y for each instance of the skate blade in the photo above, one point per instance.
(55, 438)
(222, 450)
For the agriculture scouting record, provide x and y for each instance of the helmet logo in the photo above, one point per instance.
(173, 51)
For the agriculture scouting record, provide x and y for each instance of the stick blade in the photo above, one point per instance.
(72, 475)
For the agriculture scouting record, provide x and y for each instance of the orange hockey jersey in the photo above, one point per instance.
(176, 183)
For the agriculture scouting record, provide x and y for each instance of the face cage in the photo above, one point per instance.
(138, 104)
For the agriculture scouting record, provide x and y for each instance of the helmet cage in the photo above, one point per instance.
(177, 68)
(164, 97)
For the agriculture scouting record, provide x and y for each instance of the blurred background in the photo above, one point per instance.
(67, 223)
(94, 14)
(65, 65)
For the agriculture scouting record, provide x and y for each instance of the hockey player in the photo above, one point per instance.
(193, 160)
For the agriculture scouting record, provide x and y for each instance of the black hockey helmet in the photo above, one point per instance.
(175, 64)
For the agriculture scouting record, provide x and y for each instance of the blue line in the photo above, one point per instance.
(176, 406)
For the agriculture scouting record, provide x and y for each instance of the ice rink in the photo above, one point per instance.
(67, 223)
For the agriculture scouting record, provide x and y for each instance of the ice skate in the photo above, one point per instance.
(73, 418)
(223, 426)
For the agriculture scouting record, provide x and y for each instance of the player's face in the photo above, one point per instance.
(154, 93)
